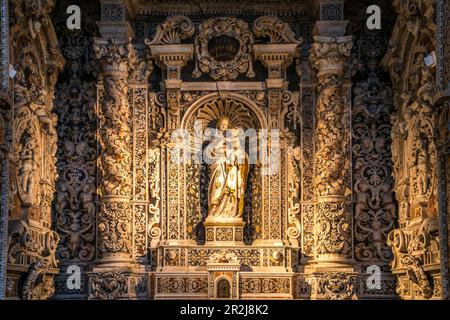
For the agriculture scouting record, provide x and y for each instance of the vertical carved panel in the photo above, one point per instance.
(275, 193)
(256, 210)
(265, 206)
(182, 216)
(156, 177)
(5, 142)
(446, 42)
(375, 211)
(77, 148)
(293, 228)
(4, 45)
(154, 185)
(443, 44)
(4, 84)
(196, 177)
(172, 195)
(140, 170)
(415, 152)
(307, 170)
(140, 143)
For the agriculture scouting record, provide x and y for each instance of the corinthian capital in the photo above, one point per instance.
(115, 55)
(330, 54)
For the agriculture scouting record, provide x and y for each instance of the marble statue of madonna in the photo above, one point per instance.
(228, 173)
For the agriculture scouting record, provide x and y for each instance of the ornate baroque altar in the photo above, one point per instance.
(336, 167)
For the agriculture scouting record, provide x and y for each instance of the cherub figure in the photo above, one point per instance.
(27, 165)
(87, 199)
(74, 233)
(423, 165)
(62, 198)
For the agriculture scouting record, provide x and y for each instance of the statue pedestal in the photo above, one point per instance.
(220, 231)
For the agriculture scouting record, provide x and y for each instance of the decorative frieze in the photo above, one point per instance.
(181, 285)
(192, 258)
(261, 286)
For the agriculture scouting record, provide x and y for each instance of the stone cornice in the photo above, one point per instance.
(173, 54)
(276, 55)
(223, 7)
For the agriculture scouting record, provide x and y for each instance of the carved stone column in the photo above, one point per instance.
(115, 218)
(333, 221)
(332, 274)
(332, 181)
(116, 275)
(115, 215)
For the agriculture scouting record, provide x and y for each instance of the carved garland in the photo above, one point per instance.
(228, 32)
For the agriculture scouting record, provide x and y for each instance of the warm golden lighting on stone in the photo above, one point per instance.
(277, 150)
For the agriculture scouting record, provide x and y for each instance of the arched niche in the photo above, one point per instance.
(245, 114)
(223, 288)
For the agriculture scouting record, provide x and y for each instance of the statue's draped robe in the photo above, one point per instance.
(227, 181)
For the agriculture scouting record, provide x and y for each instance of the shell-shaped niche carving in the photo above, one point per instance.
(240, 116)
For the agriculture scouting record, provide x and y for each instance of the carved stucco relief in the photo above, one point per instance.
(37, 63)
(416, 242)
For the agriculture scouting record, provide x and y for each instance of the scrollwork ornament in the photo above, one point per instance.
(278, 31)
(294, 229)
(154, 229)
(114, 228)
(337, 286)
(417, 275)
(230, 68)
(375, 210)
(172, 31)
(333, 221)
(39, 285)
(329, 55)
(108, 285)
